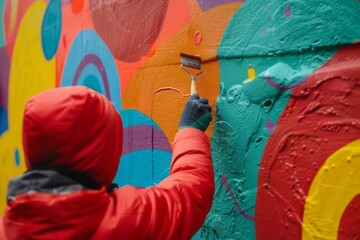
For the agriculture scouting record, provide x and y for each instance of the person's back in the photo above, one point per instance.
(72, 143)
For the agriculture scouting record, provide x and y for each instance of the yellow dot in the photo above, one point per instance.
(251, 74)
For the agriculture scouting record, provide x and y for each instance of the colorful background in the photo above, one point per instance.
(283, 78)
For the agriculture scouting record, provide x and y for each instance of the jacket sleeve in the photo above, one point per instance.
(174, 209)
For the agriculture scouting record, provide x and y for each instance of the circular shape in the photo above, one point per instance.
(77, 6)
(128, 28)
(197, 38)
(330, 194)
(51, 29)
(94, 67)
(92, 82)
(17, 157)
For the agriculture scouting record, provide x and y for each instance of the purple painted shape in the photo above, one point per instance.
(142, 137)
(270, 126)
(65, 2)
(226, 184)
(4, 77)
(93, 59)
(209, 4)
(275, 85)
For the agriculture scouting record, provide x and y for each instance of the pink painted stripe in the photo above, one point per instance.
(226, 184)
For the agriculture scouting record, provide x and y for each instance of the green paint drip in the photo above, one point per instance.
(2, 39)
(284, 41)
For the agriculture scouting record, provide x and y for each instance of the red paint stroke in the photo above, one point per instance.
(64, 41)
(226, 184)
(197, 38)
(275, 85)
(96, 61)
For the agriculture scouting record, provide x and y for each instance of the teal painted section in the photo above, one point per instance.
(142, 164)
(284, 41)
(51, 29)
(143, 168)
(2, 37)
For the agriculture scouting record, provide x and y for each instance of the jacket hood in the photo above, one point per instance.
(73, 128)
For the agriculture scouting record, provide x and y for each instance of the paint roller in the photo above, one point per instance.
(189, 62)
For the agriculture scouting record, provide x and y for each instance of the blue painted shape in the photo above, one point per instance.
(86, 43)
(132, 117)
(91, 78)
(92, 82)
(4, 84)
(2, 34)
(17, 157)
(143, 168)
(3, 120)
(51, 29)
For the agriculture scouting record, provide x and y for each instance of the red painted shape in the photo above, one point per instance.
(321, 116)
(64, 41)
(11, 33)
(129, 28)
(350, 221)
(77, 6)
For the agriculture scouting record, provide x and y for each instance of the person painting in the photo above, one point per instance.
(72, 139)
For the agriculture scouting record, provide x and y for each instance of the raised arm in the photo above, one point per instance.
(177, 207)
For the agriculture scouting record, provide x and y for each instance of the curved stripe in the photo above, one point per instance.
(143, 137)
(233, 198)
(335, 185)
(96, 61)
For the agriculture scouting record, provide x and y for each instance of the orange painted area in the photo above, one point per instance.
(72, 24)
(167, 86)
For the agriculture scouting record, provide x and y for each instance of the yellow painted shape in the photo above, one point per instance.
(30, 73)
(251, 74)
(335, 185)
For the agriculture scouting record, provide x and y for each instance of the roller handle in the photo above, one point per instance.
(193, 87)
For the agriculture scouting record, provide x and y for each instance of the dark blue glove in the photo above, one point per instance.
(196, 114)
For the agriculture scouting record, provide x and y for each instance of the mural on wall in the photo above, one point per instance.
(283, 78)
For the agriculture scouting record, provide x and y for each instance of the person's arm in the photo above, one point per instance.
(177, 207)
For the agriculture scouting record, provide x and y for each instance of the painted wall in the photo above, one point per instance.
(283, 77)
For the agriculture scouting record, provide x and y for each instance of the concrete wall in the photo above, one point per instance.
(283, 78)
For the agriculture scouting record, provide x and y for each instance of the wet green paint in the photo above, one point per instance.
(284, 42)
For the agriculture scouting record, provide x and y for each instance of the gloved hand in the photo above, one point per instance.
(196, 113)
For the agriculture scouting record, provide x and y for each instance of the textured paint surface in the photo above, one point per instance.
(282, 76)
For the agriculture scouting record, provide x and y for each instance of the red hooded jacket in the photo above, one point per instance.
(72, 142)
